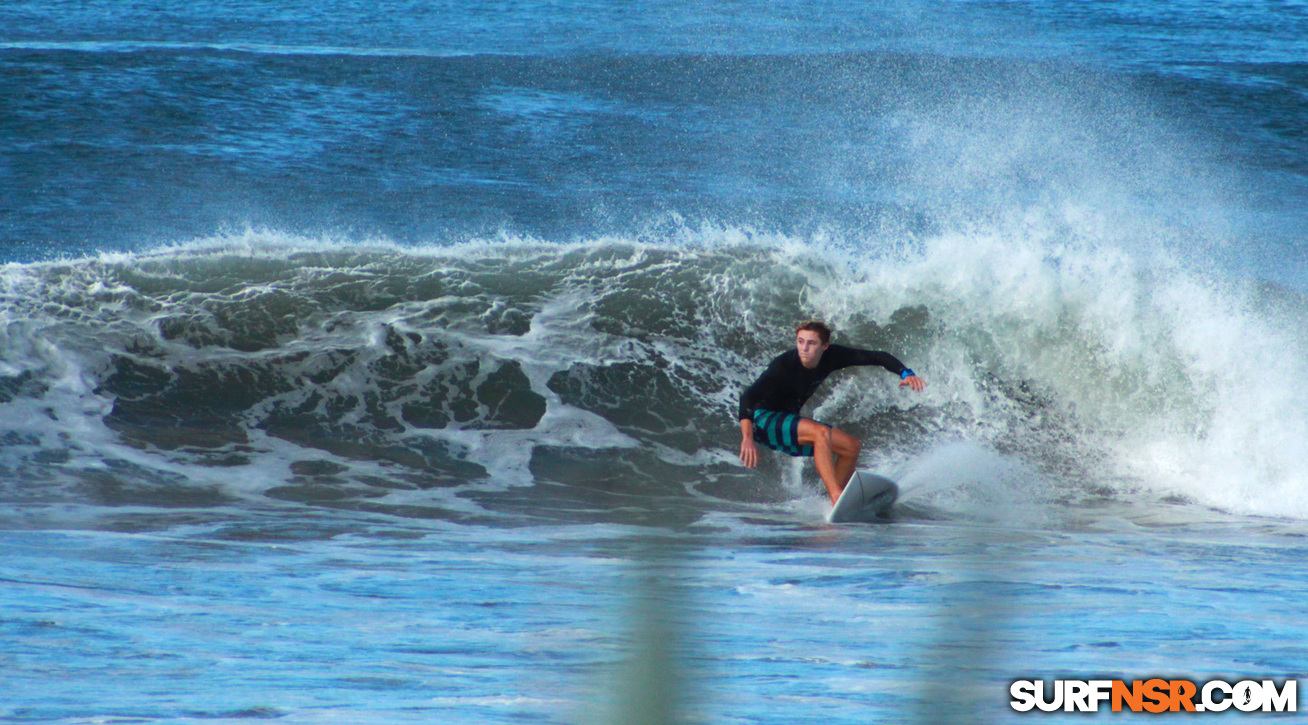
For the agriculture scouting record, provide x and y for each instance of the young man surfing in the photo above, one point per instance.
(769, 409)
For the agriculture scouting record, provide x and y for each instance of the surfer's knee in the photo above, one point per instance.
(845, 444)
(817, 434)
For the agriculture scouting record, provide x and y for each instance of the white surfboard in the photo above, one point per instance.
(867, 497)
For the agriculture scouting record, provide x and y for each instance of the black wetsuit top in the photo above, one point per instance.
(786, 384)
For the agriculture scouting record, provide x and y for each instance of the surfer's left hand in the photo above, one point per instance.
(912, 381)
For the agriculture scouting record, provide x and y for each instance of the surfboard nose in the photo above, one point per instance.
(866, 498)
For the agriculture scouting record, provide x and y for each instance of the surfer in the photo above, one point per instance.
(769, 409)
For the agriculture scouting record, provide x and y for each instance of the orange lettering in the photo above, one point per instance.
(1157, 698)
(1182, 692)
(1131, 696)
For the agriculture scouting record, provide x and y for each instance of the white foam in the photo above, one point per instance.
(1166, 374)
(1174, 373)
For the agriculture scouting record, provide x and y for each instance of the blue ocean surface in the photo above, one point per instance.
(378, 362)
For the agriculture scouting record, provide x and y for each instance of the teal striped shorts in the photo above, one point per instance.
(780, 432)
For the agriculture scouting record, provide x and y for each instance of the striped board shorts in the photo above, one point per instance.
(780, 432)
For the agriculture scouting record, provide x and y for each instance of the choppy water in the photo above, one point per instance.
(377, 363)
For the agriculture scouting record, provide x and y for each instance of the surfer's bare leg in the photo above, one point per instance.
(828, 442)
(846, 448)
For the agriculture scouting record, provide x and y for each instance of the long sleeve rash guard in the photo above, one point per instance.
(786, 384)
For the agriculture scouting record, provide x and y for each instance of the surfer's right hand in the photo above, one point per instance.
(748, 452)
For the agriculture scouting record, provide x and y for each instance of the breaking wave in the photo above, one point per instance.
(533, 378)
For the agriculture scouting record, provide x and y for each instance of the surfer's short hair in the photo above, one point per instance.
(823, 332)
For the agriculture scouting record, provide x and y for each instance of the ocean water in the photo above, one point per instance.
(377, 362)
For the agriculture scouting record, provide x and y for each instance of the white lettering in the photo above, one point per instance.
(1287, 700)
(1053, 704)
(1023, 692)
(1214, 705)
(1076, 696)
(1210, 703)
(1100, 690)
(1215, 695)
(1248, 696)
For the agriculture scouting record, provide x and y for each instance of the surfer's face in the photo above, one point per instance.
(810, 348)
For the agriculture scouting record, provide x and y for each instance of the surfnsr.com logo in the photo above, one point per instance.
(1155, 695)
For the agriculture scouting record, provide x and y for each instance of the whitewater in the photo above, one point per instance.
(375, 367)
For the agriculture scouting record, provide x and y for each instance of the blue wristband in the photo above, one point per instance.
(906, 373)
